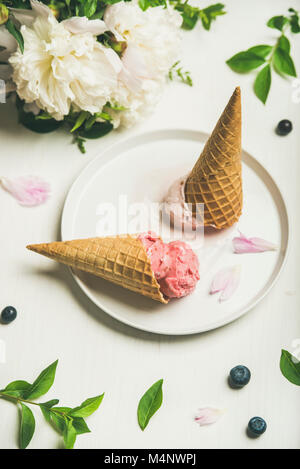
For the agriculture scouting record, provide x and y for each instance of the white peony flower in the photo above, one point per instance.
(153, 44)
(59, 70)
(156, 32)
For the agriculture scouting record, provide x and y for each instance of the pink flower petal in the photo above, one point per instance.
(242, 245)
(226, 281)
(30, 191)
(207, 416)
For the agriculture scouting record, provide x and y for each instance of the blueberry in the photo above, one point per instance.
(239, 376)
(284, 127)
(8, 315)
(256, 426)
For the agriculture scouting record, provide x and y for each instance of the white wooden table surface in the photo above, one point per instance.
(98, 354)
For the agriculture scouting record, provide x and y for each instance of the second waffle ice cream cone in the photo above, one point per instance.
(216, 179)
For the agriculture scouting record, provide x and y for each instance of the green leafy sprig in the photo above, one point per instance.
(191, 14)
(69, 422)
(267, 57)
(177, 72)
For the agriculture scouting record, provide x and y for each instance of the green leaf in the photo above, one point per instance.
(210, 13)
(103, 115)
(245, 61)
(283, 62)
(69, 435)
(80, 426)
(32, 122)
(8, 394)
(18, 387)
(46, 413)
(65, 410)
(15, 33)
(115, 106)
(98, 15)
(88, 407)
(262, 50)
(150, 403)
(294, 21)
(43, 382)
(262, 83)
(143, 4)
(27, 426)
(44, 116)
(98, 130)
(277, 22)
(189, 21)
(284, 43)
(80, 120)
(183, 76)
(90, 7)
(80, 143)
(190, 14)
(290, 367)
(206, 23)
(59, 422)
(99, 115)
(45, 408)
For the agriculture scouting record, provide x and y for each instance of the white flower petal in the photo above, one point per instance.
(29, 191)
(207, 416)
(226, 281)
(27, 17)
(242, 245)
(24, 16)
(134, 70)
(113, 59)
(77, 25)
(40, 9)
(232, 284)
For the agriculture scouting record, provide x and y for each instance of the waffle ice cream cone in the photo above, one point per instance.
(216, 179)
(120, 259)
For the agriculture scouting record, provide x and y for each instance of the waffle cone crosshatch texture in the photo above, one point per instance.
(216, 179)
(120, 259)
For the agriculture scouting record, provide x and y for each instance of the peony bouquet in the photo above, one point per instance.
(91, 65)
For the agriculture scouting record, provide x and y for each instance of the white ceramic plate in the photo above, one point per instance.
(142, 168)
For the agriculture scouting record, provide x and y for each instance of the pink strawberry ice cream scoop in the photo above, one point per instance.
(175, 265)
